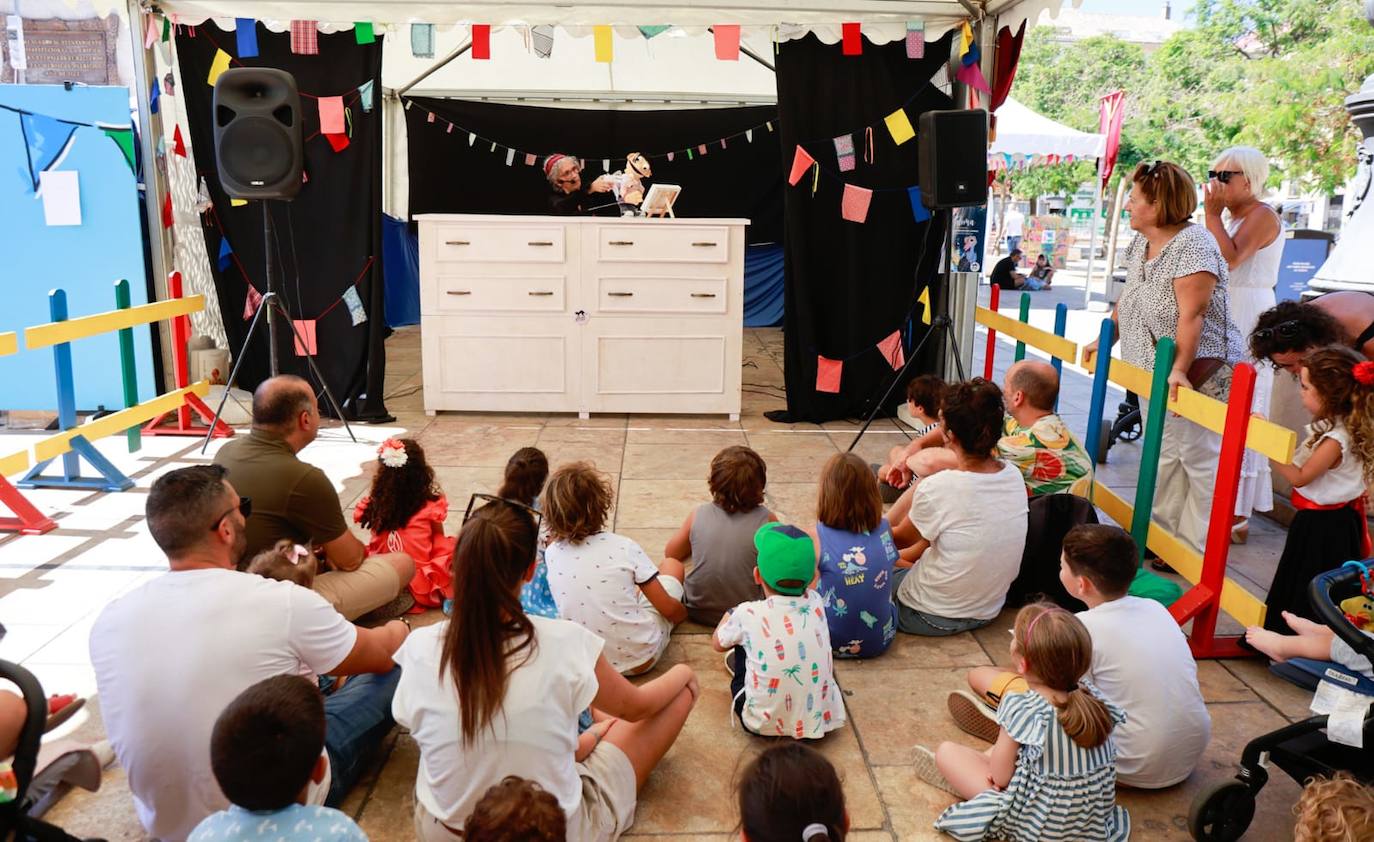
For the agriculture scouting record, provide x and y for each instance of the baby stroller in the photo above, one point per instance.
(1222, 810)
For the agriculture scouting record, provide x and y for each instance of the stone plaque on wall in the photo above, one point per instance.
(59, 51)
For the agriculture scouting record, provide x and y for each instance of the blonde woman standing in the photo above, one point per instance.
(1250, 236)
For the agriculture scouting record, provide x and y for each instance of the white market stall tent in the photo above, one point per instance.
(1022, 134)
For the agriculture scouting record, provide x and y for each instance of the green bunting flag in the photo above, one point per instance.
(362, 31)
(166, 30)
(124, 139)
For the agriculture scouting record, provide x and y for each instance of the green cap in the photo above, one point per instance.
(786, 554)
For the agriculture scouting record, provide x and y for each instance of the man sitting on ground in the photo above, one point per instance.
(296, 501)
(171, 654)
(1004, 273)
(1034, 439)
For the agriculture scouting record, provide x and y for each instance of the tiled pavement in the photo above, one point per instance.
(52, 586)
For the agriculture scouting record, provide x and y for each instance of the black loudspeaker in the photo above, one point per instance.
(258, 149)
(952, 158)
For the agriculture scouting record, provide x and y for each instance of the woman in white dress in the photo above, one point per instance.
(1250, 236)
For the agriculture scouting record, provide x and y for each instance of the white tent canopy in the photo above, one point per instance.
(1021, 131)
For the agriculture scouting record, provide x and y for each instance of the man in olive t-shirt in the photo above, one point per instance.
(295, 500)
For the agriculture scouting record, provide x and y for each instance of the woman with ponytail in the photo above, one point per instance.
(1329, 475)
(1052, 772)
(492, 692)
(790, 793)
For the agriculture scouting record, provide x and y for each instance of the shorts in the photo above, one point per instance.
(355, 592)
(608, 801)
(1006, 684)
(665, 626)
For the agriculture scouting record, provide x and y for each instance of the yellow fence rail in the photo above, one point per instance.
(59, 443)
(1052, 344)
(54, 333)
(9, 343)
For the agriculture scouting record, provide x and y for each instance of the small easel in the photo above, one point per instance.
(660, 200)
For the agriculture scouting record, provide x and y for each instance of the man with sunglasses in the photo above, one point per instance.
(172, 653)
(296, 501)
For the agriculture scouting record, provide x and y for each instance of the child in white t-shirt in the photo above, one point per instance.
(783, 679)
(605, 582)
(1140, 662)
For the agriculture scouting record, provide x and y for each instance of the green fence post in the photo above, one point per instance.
(126, 364)
(1149, 446)
(1024, 318)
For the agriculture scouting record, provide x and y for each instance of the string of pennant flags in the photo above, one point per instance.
(48, 139)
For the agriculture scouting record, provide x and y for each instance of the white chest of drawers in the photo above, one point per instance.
(581, 314)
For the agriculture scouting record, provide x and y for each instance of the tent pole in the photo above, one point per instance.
(436, 67)
(1092, 239)
(755, 56)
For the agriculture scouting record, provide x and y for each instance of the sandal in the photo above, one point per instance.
(923, 761)
(62, 708)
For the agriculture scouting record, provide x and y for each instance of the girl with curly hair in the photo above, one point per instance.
(405, 511)
(1329, 475)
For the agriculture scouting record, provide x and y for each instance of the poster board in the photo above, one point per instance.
(48, 128)
(1050, 235)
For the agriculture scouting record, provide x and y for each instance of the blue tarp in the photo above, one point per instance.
(763, 285)
(401, 265)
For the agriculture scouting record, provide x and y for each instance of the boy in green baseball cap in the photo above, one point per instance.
(783, 680)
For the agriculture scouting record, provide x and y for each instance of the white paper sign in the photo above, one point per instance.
(1345, 713)
(14, 33)
(61, 191)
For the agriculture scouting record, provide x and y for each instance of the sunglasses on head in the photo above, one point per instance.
(1152, 169)
(1224, 176)
(1283, 330)
(245, 508)
(492, 498)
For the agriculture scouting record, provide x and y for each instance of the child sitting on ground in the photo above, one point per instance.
(266, 750)
(782, 678)
(719, 536)
(789, 793)
(1334, 809)
(286, 562)
(924, 396)
(605, 582)
(1052, 772)
(1141, 663)
(856, 556)
(526, 472)
(405, 511)
(516, 810)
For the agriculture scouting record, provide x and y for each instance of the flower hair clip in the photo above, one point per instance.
(392, 453)
(1364, 373)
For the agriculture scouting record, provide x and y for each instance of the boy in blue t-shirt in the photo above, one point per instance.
(266, 749)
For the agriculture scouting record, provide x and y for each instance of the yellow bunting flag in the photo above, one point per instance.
(601, 38)
(900, 126)
(220, 64)
(235, 203)
(924, 300)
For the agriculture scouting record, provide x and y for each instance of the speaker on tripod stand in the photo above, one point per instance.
(259, 155)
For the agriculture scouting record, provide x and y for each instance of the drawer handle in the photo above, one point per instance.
(703, 295)
(541, 292)
(541, 242)
(460, 292)
(620, 294)
(622, 242)
(457, 243)
(704, 245)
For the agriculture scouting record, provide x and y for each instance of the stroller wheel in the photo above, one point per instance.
(1104, 441)
(1221, 812)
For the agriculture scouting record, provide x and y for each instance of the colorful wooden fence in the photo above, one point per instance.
(74, 442)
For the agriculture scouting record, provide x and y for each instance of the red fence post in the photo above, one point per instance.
(993, 301)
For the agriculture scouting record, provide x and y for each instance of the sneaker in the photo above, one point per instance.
(923, 761)
(972, 716)
(386, 613)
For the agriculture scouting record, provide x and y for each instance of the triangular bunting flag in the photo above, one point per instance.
(801, 162)
(251, 302)
(422, 40)
(828, 374)
(365, 91)
(356, 313)
(481, 41)
(972, 75)
(226, 254)
(854, 204)
(749, 135)
(247, 31)
(852, 37)
(472, 138)
(167, 217)
(154, 98)
(605, 164)
(727, 41)
(48, 140)
(124, 139)
(891, 349)
(150, 36)
(166, 30)
(650, 31)
(899, 126)
(363, 32)
(918, 207)
(178, 145)
(924, 300)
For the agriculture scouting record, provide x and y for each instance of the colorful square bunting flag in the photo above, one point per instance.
(918, 207)
(304, 334)
(899, 125)
(602, 44)
(332, 114)
(422, 40)
(305, 38)
(701, 149)
(670, 156)
(510, 157)
(150, 37)
(844, 152)
(251, 301)
(853, 40)
(481, 41)
(355, 306)
(915, 39)
(541, 38)
(828, 373)
(924, 300)
(365, 95)
(530, 158)
(891, 349)
(218, 66)
(854, 204)
(154, 98)
(337, 142)
(430, 117)
(801, 162)
(247, 30)
(363, 32)
(727, 41)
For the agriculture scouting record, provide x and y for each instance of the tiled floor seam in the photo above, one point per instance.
(868, 767)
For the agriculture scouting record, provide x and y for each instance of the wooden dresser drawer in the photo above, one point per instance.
(478, 294)
(493, 244)
(650, 243)
(661, 295)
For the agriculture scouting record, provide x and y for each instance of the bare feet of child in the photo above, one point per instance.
(1270, 643)
(1302, 625)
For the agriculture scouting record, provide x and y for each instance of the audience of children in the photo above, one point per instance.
(516, 810)
(1141, 664)
(405, 510)
(266, 751)
(492, 692)
(790, 792)
(1334, 809)
(719, 536)
(523, 481)
(605, 582)
(965, 526)
(856, 557)
(1052, 772)
(782, 678)
(1329, 475)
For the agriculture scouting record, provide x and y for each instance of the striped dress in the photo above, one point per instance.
(1059, 790)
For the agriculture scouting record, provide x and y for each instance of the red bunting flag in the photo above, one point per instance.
(891, 349)
(854, 205)
(337, 142)
(801, 162)
(727, 41)
(853, 44)
(828, 374)
(178, 145)
(251, 302)
(481, 41)
(305, 337)
(167, 211)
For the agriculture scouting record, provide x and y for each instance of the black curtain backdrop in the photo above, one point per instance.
(326, 236)
(449, 175)
(849, 285)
